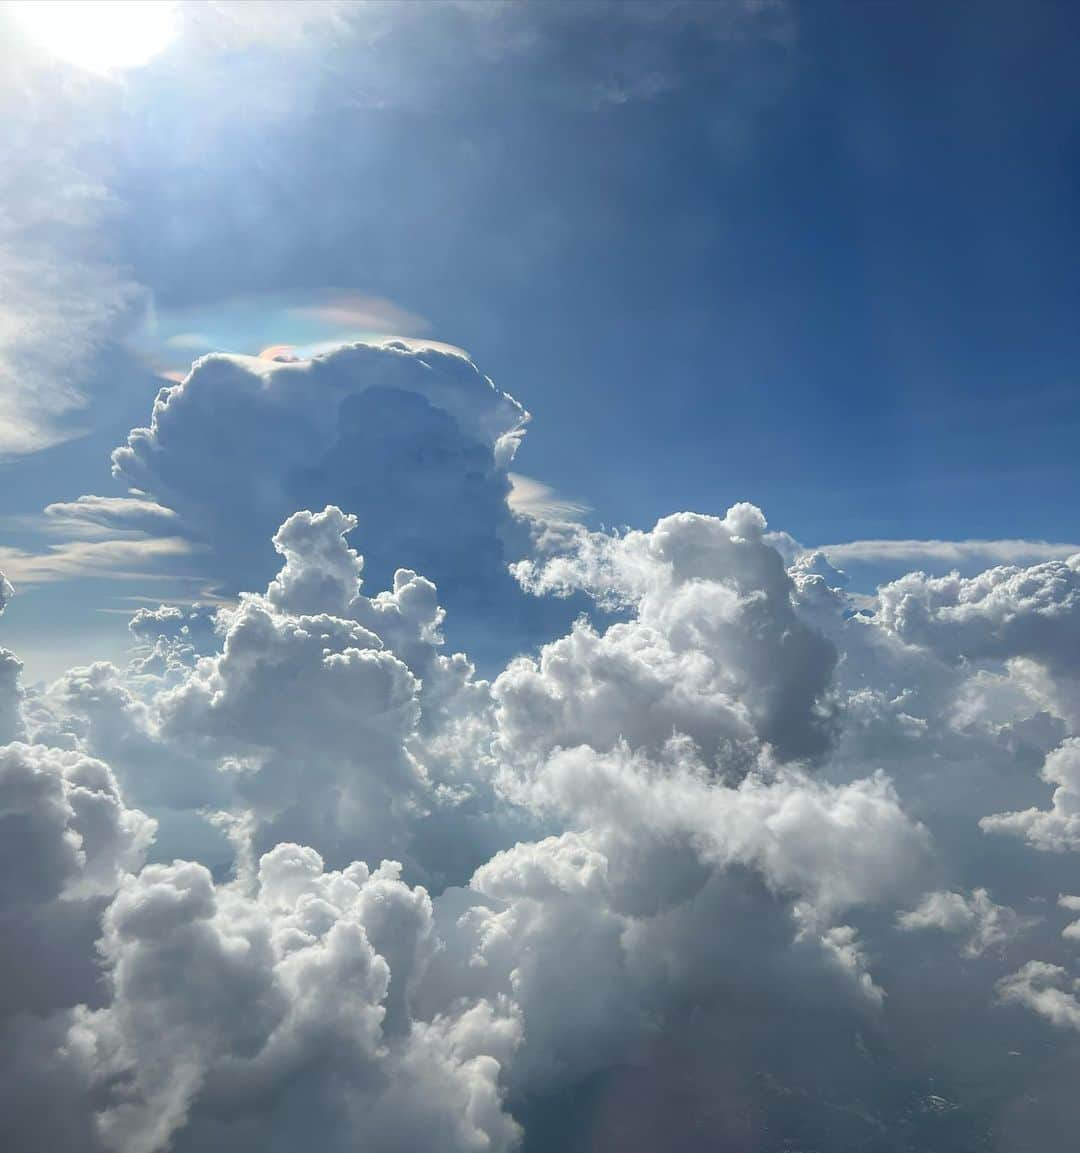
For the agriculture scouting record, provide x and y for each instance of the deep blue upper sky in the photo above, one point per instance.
(822, 257)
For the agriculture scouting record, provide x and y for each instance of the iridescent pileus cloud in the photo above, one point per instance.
(723, 863)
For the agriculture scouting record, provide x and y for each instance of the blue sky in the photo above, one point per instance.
(818, 256)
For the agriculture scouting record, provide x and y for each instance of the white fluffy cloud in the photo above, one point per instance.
(724, 828)
(1003, 612)
(236, 1017)
(1058, 828)
(67, 833)
(333, 716)
(976, 918)
(713, 620)
(638, 825)
(1072, 903)
(1046, 989)
(66, 840)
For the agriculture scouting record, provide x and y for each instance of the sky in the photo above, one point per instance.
(612, 463)
(822, 257)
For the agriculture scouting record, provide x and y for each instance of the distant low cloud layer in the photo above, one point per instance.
(935, 553)
(724, 863)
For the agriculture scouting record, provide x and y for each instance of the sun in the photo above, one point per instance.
(98, 35)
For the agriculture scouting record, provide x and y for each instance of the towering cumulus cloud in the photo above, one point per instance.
(729, 862)
(715, 639)
(416, 442)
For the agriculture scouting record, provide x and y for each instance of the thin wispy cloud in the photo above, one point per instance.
(534, 498)
(117, 559)
(104, 515)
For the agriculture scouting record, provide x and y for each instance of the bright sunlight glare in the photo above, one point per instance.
(98, 35)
